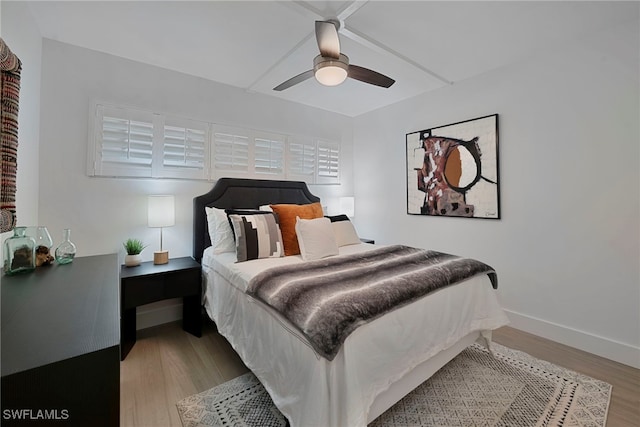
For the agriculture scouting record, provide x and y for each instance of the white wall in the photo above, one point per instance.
(567, 246)
(19, 31)
(103, 212)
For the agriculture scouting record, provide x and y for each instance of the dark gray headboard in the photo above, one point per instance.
(238, 193)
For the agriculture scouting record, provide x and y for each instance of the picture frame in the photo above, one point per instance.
(453, 170)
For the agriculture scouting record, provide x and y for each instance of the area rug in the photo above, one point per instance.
(507, 388)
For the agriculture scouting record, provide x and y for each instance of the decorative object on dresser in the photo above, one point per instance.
(508, 387)
(66, 251)
(41, 235)
(19, 252)
(44, 243)
(161, 213)
(60, 344)
(134, 248)
(150, 283)
(452, 170)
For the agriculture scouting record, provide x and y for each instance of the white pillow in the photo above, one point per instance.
(344, 231)
(220, 231)
(315, 238)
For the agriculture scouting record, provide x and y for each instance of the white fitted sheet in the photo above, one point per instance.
(308, 389)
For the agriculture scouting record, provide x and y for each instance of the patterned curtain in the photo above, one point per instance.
(10, 67)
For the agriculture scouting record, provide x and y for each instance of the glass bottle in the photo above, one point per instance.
(66, 250)
(19, 252)
(43, 238)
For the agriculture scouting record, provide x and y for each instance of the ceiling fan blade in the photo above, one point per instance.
(294, 80)
(327, 38)
(369, 76)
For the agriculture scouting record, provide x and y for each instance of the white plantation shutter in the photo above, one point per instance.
(132, 143)
(230, 152)
(269, 155)
(123, 143)
(301, 160)
(185, 149)
(328, 162)
(244, 153)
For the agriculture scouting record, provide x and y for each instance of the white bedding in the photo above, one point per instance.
(308, 389)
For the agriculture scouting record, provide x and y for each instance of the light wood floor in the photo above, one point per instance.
(168, 364)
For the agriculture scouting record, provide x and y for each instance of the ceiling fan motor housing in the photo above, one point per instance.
(331, 71)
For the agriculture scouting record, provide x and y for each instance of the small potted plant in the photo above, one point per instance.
(133, 247)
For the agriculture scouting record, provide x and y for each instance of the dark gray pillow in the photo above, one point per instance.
(257, 236)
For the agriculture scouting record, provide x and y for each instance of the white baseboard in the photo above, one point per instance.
(600, 346)
(158, 313)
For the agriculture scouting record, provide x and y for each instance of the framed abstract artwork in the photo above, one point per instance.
(452, 170)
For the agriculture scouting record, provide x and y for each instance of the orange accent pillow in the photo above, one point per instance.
(287, 216)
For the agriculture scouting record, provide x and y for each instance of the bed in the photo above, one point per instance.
(377, 364)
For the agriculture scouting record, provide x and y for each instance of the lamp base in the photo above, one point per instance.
(161, 257)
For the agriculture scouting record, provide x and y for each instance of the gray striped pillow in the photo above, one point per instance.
(257, 236)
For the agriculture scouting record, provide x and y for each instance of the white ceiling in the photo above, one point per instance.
(256, 45)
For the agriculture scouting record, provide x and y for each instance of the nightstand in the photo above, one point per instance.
(368, 241)
(147, 283)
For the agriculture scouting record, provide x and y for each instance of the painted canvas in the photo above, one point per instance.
(452, 170)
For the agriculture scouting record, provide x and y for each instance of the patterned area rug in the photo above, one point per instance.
(509, 388)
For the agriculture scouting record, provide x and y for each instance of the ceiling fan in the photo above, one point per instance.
(331, 67)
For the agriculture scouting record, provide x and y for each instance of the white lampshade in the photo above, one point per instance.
(348, 206)
(331, 75)
(331, 71)
(161, 211)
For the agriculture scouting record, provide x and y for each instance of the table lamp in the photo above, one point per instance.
(347, 206)
(161, 214)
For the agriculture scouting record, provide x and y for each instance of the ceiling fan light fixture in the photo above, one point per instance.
(331, 71)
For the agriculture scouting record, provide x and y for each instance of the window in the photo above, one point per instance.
(244, 153)
(185, 149)
(269, 155)
(328, 162)
(230, 153)
(124, 143)
(313, 161)
(134, 143)
(302, 159)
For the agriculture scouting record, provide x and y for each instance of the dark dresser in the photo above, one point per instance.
(60, 345)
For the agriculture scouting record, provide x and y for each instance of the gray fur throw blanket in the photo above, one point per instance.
(328, 299)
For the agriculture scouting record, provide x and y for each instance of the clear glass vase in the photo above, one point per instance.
(19, 252)
(41, 236)
(66, 251)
